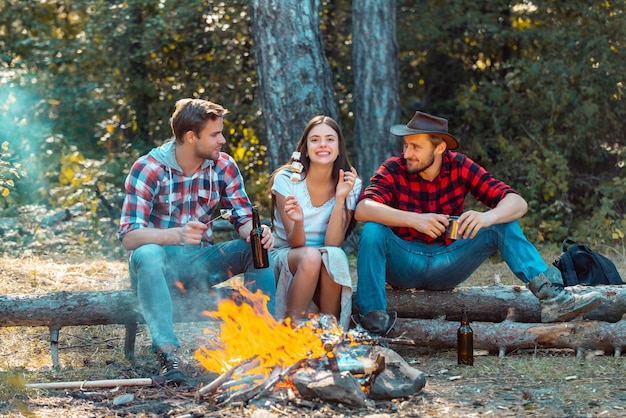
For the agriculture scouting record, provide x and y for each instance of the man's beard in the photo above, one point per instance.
(205, 155)
(418, 168)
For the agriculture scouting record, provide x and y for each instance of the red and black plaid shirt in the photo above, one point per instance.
(393, 186)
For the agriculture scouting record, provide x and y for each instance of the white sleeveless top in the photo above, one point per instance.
(315, 217)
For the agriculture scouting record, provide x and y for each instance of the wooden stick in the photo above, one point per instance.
(80, 384)
(241, 367)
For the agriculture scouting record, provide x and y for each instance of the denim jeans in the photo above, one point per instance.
(415, 264)
(155, 270)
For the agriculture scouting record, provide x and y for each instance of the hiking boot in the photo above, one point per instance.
(377, 323)
(557, 304)
(170, 370)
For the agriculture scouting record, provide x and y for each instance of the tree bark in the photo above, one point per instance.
(376, 92)
(295, 79)
(486, 303)
(60, 309)
(508, 336)
(492, 303)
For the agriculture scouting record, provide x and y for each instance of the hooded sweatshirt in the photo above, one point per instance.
(159, 195)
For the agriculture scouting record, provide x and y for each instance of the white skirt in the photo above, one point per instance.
(336, 263)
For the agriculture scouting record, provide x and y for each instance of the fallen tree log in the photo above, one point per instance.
(507, 336)
(59, 309)
(488, 303)
(492, 303)
(71, 308)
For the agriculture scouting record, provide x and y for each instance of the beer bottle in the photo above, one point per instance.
(465, 340)
(259, 254)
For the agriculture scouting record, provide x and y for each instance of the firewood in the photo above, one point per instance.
(212, 387)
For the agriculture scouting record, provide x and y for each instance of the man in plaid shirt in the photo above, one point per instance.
(407, 209)
(171, 195)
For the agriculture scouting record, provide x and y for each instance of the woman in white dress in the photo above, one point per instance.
(313, 201)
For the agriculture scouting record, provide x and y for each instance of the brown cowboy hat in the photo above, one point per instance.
(423, 123)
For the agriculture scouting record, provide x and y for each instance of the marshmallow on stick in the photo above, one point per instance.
(224, 214)
(296, 167)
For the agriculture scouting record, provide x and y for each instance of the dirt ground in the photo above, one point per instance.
(542, 384)
(551, 383)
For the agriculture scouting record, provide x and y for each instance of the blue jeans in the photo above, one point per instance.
(415, 264)
(155, 269)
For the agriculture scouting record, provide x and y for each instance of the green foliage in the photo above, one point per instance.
(535, 92)
(108, 75)
(8, 170)
(12, 392)
(249, 152)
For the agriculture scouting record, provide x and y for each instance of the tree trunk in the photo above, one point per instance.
(486, 303)
(492, 303)
(60, 309)
(508, 336)
(295, 79)
(376, 92)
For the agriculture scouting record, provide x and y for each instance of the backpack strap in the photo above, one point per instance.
(567, 243)
(570, 278)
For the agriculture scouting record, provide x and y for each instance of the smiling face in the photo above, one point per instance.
(422, 155)
(322, 145)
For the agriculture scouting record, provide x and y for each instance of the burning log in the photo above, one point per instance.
(249, 392)
(245, 365)
(492, 303)
(508, 335)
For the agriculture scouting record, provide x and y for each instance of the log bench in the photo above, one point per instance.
(79, 308)
(503, 317)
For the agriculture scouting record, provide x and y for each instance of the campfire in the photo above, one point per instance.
(256, 356)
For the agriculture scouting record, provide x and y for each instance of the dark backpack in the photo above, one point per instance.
(580, 265)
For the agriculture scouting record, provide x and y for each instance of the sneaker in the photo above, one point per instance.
(170, 367)
(557, 304)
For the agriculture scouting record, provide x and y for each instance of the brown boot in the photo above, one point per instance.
(557, 304)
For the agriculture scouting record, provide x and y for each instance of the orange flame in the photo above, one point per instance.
(248, 330)
(180, 286)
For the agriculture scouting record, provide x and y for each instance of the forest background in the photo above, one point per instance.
(534, 90)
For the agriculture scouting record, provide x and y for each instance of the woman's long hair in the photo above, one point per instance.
(342, 161)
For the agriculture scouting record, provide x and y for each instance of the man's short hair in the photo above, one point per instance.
(192, 115)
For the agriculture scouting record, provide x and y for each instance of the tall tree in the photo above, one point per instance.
(376, 89)
(295, 79)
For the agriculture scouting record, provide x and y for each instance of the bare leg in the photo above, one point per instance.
(305, 265)
(330, 295)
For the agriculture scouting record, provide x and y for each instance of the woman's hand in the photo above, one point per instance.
(345, 183)
(293, 209)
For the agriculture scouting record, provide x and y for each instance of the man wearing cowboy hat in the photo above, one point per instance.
(406, 210)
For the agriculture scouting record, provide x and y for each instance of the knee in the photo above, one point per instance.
(373, 233)
(151, 253)
(310, 261)
(508, 227)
